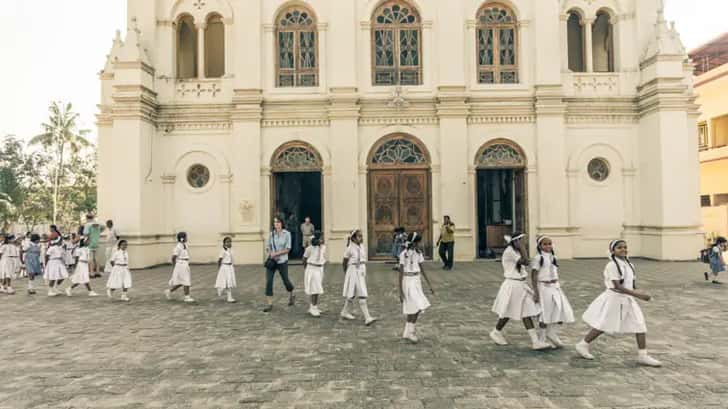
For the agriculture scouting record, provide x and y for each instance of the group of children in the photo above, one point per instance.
(542, 303)
(615, 311)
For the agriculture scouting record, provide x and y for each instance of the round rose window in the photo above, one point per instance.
(598, 169)
(198, 176)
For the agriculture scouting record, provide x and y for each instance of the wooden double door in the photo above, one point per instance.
(398, 198)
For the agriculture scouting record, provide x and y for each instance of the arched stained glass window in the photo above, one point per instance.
(500, 155)
(399, 151)
(497, 33)
(396, 45)
(296, 157)
(297, 47)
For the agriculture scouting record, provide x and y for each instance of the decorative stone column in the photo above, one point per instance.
(587, 24)
(201, 27)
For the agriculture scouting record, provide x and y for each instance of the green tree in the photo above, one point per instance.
(7, 212)
(61, 135)
(38, 191)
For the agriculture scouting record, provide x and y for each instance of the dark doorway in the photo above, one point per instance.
(297, 195)
(501, 208)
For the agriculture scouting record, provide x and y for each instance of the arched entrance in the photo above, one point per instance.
(297, 189)
(501, 195)
(399, 192)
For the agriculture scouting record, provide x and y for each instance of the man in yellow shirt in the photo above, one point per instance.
(446, 243)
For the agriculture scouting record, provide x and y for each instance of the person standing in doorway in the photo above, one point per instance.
(307, 230)
(446, 243)
(92, 232)
(278, 247)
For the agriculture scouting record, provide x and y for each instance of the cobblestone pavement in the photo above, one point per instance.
(79, 352)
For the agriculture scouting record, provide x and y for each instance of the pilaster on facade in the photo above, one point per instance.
(549, 100)
(452, 102)
(343, 103)
(247, 105)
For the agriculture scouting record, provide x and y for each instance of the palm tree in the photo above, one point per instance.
(60, 132)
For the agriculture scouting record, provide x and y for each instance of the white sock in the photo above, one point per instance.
(406, 330)
(533, 333)
(345, 310)
(642, 353)
(364, 309)
(30, 284)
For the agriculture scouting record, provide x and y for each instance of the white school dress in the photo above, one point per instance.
(554, 304)
(81, 273)
(7, 261)
(355, 281)
(181, 274)
(69, 249)
(56, 267)
(414, 300)
(120, 276)
(226, 274)
(515, 297)
(613, 312)
(313, 276)
(111, 238)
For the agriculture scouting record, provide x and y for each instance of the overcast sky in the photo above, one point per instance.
(53, 49)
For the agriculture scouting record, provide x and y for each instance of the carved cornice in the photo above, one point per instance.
(501, 119)
(398, 120)
(134, 65)
(294, 122)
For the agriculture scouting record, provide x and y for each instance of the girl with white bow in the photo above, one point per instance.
(515, 299)
(410, 286)
(555, 307)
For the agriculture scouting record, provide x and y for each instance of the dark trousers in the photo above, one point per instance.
(270, 274)
(447, 253)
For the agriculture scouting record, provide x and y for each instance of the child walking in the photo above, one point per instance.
(226, 270)
(616, 310)
(32, 260)
(55, 269)
(9, 260)
(70, 243)
(314, 258)
(555, 307)
(120, 277)
(411, 294)
(398, 243)
(515, 299)
(355, 280)
(717, 262)
(181, 275)
(81, 274)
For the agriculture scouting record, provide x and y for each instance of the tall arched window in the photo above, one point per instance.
(396, 45)
(497, 45)
(603, 43)
(575, 40)
(215, 47)
(297, 45)
(186, 48)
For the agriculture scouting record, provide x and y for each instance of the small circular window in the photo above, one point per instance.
(598, 169)
(198, 176)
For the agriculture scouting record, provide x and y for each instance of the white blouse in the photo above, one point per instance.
(510, 265)
(182, 253)
(316, 255)
(226, 256)
(410, 261)
(549, 271)
(356, 253)
(612, 274)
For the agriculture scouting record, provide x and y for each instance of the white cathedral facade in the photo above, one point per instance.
(572, 118)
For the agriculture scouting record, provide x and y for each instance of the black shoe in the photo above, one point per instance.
(291, 300)
(268, 308)
(706, 276)
(717, 282)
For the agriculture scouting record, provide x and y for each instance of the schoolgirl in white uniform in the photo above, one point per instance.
(555, 307)
(515, 299)
(81, 273)
(120, 277)
(226, 270)
(112, 236)
(9, 260)
(181, 275)
(24, 246)
(616, 310)
(69, 246)
(411, 294)
(355, 280)
(55, 269)
(314, 259)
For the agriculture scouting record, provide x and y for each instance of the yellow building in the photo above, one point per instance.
(711, 85)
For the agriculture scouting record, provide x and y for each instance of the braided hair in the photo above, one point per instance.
(226, 239)
(182, 238)
(539, 239)
(613, 245)
(351, 236)
(412, 239)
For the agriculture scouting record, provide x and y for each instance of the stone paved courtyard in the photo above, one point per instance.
(95, 353)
